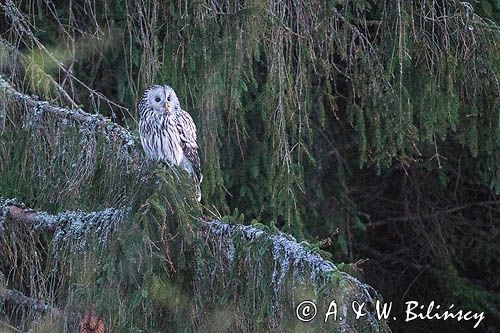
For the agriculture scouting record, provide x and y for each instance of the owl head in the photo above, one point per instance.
(162, 99)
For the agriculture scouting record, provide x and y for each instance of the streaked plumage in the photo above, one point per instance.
(167, 132)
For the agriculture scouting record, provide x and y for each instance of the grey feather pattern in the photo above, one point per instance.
(187, 133)
(169, 134)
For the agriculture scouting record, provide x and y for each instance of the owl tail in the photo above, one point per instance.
(197, 178)
(198, 192)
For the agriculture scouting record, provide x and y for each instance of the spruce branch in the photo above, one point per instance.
(70, 230)
(19, 299)
(110, 129)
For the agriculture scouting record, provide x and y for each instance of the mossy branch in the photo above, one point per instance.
(240, 248)
(19, 299)
(45, 222)
(289, 266)
(110, 128)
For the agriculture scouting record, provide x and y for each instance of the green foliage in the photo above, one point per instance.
(296, 103)
(155, 266)
(489, 9)
(137, 277)
(466, 294)
(261, 82)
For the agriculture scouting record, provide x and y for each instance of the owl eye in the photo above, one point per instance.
(157, 99)
(168, 98)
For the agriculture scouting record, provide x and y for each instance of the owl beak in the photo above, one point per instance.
(167, 107)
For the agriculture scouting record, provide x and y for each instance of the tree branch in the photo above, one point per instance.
(19, 299)
(74, 221)
(435, 214)
(288, 256)
(110, 128)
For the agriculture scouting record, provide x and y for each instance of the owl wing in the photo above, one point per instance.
(187, 134)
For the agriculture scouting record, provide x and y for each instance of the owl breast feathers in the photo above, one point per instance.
(168, 133)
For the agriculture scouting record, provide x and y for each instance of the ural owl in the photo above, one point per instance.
(168, 133)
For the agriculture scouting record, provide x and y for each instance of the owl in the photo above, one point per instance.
(168, 133)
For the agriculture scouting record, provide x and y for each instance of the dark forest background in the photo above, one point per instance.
(370, 129)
